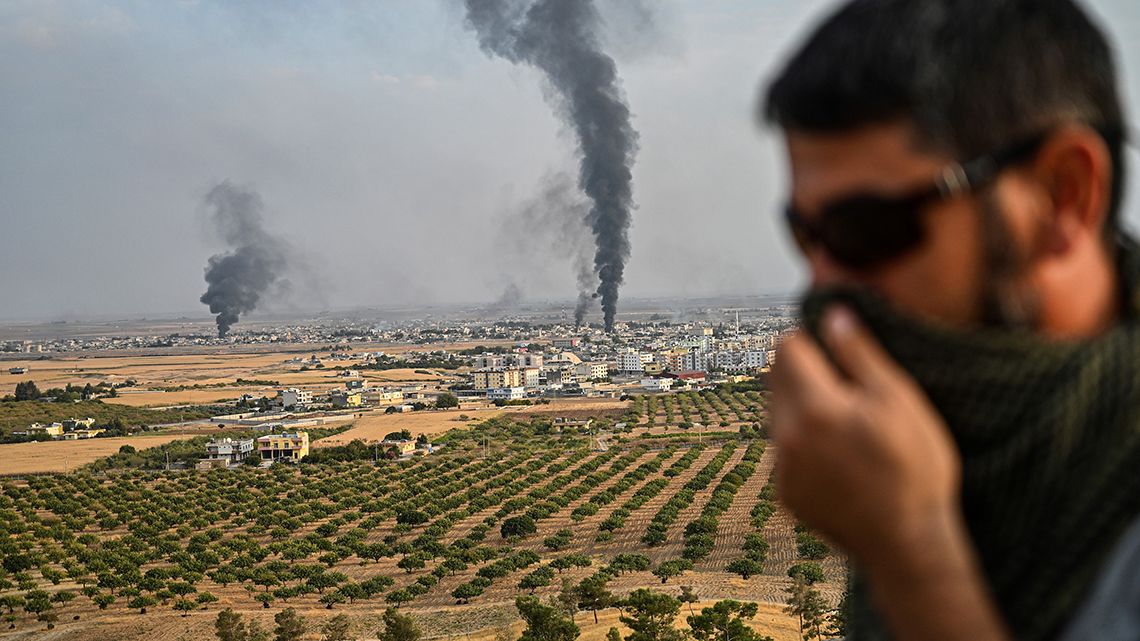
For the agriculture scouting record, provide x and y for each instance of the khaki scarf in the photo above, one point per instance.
(1049, 434)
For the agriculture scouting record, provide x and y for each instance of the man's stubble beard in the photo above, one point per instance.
(1007, 301)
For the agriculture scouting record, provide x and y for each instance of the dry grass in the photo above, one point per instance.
(62, 456)
(374, 425)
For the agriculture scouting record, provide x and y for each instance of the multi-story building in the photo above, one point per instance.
(294, 397)
(565, 343)
(489, 361)
(591, 370)
(489, 378)
(283, 447)
(347, 398)
(561, 376)
(232, 451)
(531, 376)
(630, 361)
(524, 360)
(694, 361)
(382, 396)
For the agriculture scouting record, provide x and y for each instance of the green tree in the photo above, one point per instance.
(446, 401)
(613, 635)
(228, 626)
(37, 602)
(290, 626)
(837, 620)
(336, 629)
(544, 622)
(593, 595)
(517, 526)
(672, 568)
(810, 572)
(27, 391)
(650, 616)
(810, 547)
(807, 605)
(11, 601)
(745, 566)
(185, 605)
(725, 620)
(398, 627)
(688, 597)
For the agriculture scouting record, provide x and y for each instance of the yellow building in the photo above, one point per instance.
(283, 447)
(54, 430)
(349, 398)
(379, 395)
(496, 378)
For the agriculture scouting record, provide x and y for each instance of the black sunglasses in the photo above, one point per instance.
(866, 231)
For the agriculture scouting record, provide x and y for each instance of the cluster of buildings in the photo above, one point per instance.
(73, 429)
(665, 361)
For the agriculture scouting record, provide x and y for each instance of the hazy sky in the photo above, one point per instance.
(387, 149)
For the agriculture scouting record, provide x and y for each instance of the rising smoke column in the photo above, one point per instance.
(238, 278)
(561, 38)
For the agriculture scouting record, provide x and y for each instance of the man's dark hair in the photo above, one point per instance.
(973, 76)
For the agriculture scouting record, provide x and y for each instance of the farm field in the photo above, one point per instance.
(374, 425)
(64, 456)
(450, 538)
(170, 371)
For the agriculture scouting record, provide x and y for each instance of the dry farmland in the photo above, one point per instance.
(451, 538)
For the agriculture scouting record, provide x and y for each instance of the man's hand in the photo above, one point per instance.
(865, 459)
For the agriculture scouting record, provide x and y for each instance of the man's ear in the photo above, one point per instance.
(1074, 168)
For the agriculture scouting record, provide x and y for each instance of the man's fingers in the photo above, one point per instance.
(856, 351)
(801, 368)
(804, 384)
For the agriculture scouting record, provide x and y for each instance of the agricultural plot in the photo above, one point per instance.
(692, 410)
(510, 506)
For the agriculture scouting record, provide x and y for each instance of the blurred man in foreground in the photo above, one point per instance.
(962, 412)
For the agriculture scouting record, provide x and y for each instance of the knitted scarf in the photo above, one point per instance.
(1049, 435)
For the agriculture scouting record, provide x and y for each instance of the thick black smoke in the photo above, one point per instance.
(561, 38)
(255, 263)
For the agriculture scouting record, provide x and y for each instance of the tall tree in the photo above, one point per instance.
(725, 620)
(336, 629)
(593, 595)
(544, 622)
(806, 603)
(398, 627)
(229, 626)
(651, 616)
(290, 626)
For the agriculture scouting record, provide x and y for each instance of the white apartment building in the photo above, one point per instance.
(506, 394)
(630, 361)
(656, 384)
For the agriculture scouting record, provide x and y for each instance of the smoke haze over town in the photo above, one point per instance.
(385, 145)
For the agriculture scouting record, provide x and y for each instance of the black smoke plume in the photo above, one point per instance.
(254, 264)
(561, 38)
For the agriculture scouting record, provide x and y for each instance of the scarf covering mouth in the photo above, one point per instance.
(1049, 436)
